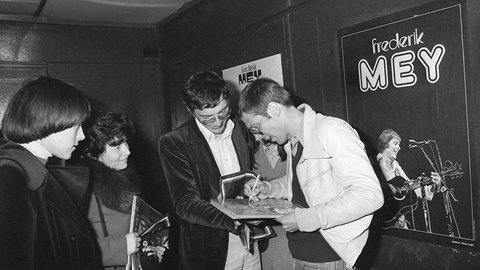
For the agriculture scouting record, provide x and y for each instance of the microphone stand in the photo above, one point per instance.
(426, 211)
(447, 193)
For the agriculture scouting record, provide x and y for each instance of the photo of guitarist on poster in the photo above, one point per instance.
(405, 196)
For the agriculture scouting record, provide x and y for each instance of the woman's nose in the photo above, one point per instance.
(126, 149)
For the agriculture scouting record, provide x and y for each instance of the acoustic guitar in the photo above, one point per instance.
(404, 202)
(400, 186)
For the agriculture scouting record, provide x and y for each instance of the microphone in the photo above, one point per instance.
(413, 143)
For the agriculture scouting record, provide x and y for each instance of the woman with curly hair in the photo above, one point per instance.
(114, 184)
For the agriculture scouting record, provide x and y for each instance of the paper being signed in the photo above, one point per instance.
(244, 209)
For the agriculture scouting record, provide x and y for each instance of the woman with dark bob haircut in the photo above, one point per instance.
(114, 184)
(42, 209)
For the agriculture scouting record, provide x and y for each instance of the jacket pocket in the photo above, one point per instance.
(316, 181)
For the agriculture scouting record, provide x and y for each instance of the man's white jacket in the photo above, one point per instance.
(338, 181)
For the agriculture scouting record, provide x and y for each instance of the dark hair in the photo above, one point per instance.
(105, 128)
(385, 137)
(42, 107)
(256, 96)
(205, 89)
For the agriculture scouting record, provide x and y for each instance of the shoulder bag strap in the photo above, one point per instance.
(102, 218)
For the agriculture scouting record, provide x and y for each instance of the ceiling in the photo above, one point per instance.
(127, 13)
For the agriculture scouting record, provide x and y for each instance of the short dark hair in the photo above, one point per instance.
(106, 128)
(385, 137)
(205, 89)
(42, 107)
(256, 96)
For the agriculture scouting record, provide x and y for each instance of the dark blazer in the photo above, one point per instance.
(193, 179)
(42, 224)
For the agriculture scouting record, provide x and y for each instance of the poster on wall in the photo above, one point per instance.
(405, 92)
(239, 76)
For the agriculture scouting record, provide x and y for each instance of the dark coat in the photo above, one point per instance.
(43, 223)
(193, 179)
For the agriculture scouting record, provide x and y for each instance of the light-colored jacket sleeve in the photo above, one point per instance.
(278, 187)
(340, 187)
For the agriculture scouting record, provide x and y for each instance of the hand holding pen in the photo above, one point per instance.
(252, 194)
(256, 189)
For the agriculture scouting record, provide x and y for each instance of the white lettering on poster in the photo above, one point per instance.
(373, 79)
(403, 69)
(398, 42)
(431, 61)
(402, 63)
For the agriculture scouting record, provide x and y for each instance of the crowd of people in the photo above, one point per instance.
(78, 217)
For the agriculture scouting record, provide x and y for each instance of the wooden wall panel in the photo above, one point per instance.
(264, 40)
(12, 77)
(213, 21)
(65, 43)
(306, 62)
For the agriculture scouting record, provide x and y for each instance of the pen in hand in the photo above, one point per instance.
(254, 187)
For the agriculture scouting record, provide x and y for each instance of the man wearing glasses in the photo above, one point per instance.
(328, 174)
(194, 157)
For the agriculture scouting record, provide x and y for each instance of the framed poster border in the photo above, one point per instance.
(405, 15)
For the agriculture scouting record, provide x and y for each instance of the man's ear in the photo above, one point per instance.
(273, 109)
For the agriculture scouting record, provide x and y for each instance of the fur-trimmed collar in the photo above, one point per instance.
(114, 188)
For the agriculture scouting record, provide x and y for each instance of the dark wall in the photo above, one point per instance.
(109, 65)
(218, 34)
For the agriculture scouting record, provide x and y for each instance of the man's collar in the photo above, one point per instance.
(300, 128)
(212, 136)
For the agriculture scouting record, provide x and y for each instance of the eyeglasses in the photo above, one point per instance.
(221, 116)
(256, 130)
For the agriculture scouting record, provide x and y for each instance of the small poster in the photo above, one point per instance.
(239, 76)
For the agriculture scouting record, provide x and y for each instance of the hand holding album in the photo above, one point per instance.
(149, 234)
(288, 220)
(133, 242)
